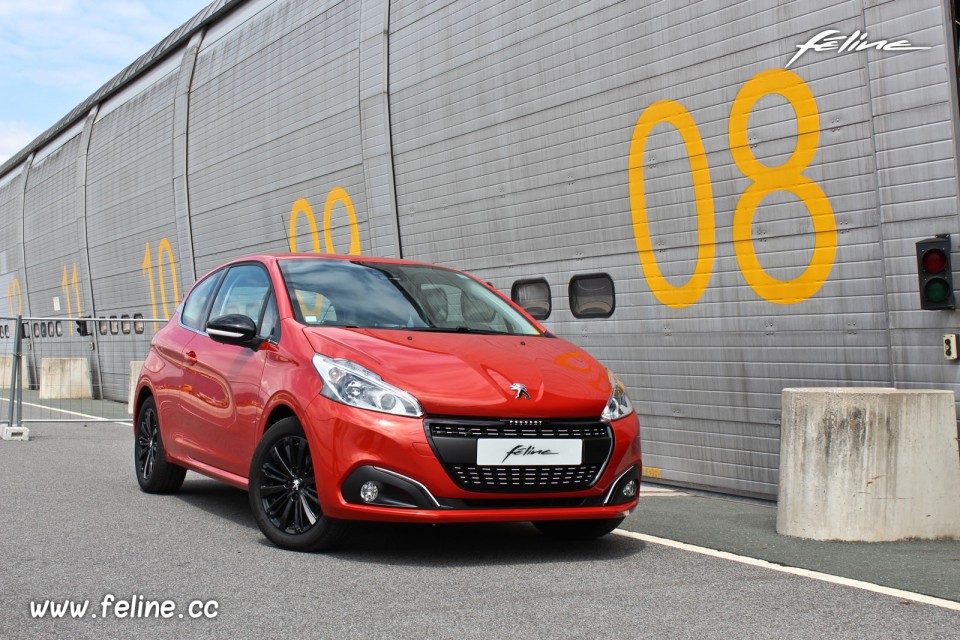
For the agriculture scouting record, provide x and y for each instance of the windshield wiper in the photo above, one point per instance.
(462, 329)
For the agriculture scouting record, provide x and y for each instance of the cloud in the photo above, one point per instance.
(79, 44)
(55, 53)
(13, 137)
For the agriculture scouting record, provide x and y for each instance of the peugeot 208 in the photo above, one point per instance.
(337, 389)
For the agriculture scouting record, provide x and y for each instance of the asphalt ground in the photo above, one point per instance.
(74, 525)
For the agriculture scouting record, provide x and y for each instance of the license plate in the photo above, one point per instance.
(528, 452)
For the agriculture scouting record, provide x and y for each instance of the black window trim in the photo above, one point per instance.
(584, 276)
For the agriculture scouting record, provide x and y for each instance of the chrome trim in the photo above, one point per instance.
(224, 334)
(613, 486)
(419, 484)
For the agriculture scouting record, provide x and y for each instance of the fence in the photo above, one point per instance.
(69, 369)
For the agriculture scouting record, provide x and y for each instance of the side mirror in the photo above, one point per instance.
(235, 329)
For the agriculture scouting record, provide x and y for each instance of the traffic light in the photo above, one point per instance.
(936, 275)
(83, 328)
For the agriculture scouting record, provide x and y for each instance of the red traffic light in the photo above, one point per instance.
(934, 261)
(935, 273)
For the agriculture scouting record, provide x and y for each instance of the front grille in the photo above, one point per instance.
(454, 440)
(530, 478)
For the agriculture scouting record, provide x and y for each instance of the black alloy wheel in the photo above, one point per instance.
(288, 488)
(154, 473)
(283, 492)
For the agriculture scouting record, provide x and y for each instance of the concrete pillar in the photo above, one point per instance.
(869, 465)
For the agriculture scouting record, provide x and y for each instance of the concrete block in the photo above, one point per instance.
(65, 378)
(6, 362)
(135, 366)
(15, 433)
(869, 465)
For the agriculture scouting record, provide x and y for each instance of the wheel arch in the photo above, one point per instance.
(276, 413)
(143, 393)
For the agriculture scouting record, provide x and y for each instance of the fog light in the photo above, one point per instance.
(630, 489)
(369, 491)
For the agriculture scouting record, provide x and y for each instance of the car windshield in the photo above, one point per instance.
(369, 295)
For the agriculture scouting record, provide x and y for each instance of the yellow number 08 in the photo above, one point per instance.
(765, 180)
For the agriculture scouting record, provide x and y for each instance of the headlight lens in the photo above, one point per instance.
(618, 406)
(349, 383)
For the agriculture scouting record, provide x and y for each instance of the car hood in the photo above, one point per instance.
(459, 374)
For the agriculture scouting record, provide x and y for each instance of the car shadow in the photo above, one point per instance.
(218, 499)
(464, 545)
(440, 545)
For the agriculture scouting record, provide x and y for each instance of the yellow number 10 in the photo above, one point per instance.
(764, 181)
(147, 268)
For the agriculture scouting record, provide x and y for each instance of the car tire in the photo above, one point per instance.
(577, 529)
(155, 473)
(283, 492)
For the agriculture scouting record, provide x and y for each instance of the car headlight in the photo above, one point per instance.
(349, 383)
(618, 406)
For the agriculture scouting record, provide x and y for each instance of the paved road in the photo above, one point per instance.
(75, 526)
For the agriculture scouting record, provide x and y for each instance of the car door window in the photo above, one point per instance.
(245, 291)
(196, 303)
(270, 325)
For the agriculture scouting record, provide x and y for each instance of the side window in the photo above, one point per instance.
(533, 296)
(592, 296)
(193, 306)
(244, 291)
(270, 326)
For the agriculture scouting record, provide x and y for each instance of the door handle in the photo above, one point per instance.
(190, 357)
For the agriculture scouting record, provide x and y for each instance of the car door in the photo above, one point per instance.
(171, 380)
(221, 397)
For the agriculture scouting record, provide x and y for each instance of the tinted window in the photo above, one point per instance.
(533, 296)
(196, 302)
(397, 296)
(592, 296)
(244, 291)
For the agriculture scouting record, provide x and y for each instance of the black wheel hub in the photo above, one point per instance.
(148, 432)
(288, 488)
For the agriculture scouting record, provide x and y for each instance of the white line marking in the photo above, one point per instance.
(804, 573)
(72, 413)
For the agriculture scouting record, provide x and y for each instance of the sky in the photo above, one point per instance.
(55, 53)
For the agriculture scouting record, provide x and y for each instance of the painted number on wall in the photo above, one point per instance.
(302, 207)
(164, 253)
(66, 284)
(14, 294)
(765, 180)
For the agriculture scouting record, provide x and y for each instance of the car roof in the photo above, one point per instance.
(274, 257)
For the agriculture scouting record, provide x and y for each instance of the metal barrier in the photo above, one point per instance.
(70, 369)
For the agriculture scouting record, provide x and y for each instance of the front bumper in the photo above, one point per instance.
(352, 447)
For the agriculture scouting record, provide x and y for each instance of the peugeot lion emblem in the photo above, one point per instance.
(521, 390)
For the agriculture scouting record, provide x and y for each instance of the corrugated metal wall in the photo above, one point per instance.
(525, 140)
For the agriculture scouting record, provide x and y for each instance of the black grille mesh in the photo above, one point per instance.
(532, 478)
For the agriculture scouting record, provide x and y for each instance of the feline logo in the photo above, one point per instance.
(827, 41)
